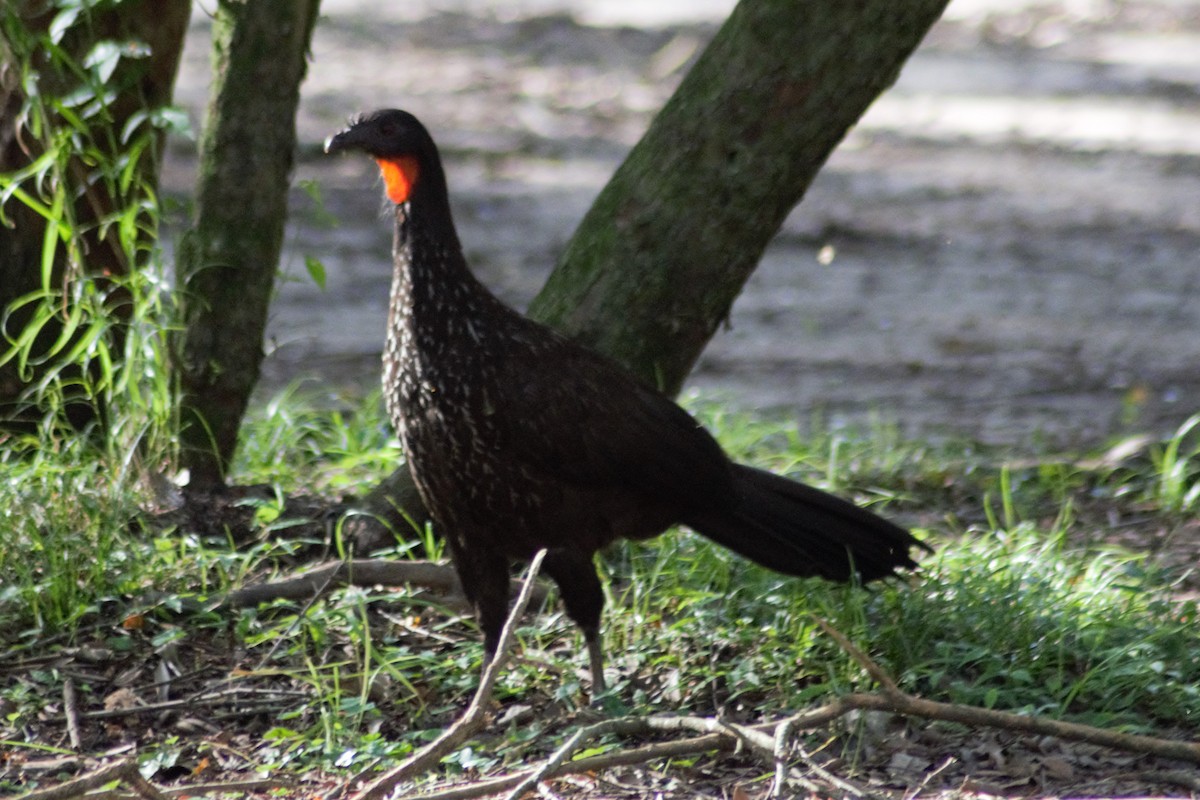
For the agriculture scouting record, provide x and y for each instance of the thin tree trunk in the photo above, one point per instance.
(229, 258)
(661, 255)
(657, 262)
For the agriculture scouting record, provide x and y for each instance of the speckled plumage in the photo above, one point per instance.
(519, 439)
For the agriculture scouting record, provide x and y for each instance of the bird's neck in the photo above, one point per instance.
(441, 317)
(432, 284)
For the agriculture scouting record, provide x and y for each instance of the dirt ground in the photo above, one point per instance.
(1007, 247)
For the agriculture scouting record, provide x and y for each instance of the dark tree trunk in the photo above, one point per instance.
(659, 259)
(140, 84)
(661, 255)
(229, 258)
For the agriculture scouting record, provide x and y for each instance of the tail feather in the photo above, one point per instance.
(798, 530)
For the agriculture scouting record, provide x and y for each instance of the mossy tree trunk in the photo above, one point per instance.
(657, 262)
(138, 82)
(230, 256)
(661, 255)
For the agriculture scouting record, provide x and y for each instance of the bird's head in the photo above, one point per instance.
(397, 141)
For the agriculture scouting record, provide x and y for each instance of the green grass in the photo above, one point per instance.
(302, 441)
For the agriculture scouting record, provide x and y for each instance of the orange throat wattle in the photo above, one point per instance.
(399, 176)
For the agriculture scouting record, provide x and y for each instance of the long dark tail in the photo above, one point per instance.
(798, 530)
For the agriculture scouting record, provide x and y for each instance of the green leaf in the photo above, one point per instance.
(173, 119)
(316, 271)
(135, 120)
(592, 751)
(103, 59)
(62, 23)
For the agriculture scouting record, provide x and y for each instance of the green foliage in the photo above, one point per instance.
(1005, 619)
(93, 329)
(1177, 464)
(300, 440)
(1019, 620)
(63, 550)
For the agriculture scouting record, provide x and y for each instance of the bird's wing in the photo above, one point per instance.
(589, 422)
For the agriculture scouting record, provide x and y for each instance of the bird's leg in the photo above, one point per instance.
(583, 596)
(595, 660)
(484, 578)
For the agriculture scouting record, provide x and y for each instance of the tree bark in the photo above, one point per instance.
(661, 255)
(139, 84)
(229, 258)
(658, 260)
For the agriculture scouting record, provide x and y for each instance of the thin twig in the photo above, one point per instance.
(143, 787)
(208, 700)
(71, 712)
(616, 758)
(783, 735)
(899, 702)
(325, 583)
(848, 787)
(559, 756)
(356, 572)
(928, 779)
(877, 673)
(473, 718)
(757, 741)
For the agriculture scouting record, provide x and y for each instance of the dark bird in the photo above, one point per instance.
(520, 439)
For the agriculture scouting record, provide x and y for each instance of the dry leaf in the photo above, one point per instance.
(121, 700)
(1058, 768)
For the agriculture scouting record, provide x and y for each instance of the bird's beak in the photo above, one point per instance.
(357, 137)
(341, 142)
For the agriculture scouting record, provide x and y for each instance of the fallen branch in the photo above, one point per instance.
(123, 771)
(197, 790)
(473, 718)
(244, 787)
(1173, 777)
(891, 699)
(210, 700)
(910, 706)
(358, 572)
